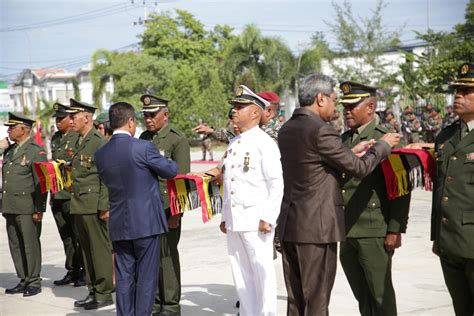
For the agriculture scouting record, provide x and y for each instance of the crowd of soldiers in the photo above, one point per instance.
(81, 212)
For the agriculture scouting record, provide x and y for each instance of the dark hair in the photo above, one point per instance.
(119, 114)
(108, 129)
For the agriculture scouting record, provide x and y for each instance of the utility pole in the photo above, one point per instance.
(153, 8)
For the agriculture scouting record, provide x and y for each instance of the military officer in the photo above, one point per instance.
(89, 205)
(63, 147)
(23, 203)
(452, 220)
(173, 145)
(374, 223)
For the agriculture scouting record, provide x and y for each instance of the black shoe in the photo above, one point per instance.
(83, 302)
(67, 279)
(79, 281)
(31, 291)
(16, 290)
(237, 304)
(95, 304)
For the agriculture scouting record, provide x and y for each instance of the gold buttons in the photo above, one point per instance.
(373, 204)
(343, 175)
(445, 199)
(72, 193)
(444, 220)
(164, 191)
(343, 191)
(449, 178)
(453, 158)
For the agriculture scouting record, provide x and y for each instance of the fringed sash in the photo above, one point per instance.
(407, 169)
(188, 192)
(53, 176)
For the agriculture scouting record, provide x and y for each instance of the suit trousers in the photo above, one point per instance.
(251, 259)
(96, 247)
(25, 247)
(368, 268)
(310, 271)
(67, 232)
(168, 294)
(136, 274)
(459, 277)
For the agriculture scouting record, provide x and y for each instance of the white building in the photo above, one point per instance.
(52, 85)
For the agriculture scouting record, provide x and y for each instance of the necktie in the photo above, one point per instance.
(464, 130)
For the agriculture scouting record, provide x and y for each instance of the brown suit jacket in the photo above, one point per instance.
(315, 163)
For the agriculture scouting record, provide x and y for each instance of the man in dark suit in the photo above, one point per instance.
(129, 168)
(452, 219)
(311, 221)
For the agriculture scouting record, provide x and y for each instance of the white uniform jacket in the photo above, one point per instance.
(253, 181)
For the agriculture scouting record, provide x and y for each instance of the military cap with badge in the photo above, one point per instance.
(16, 119)
(465, 77)
(79, 106)
(60, 110)
(354, 93)
(152, 103)
(245, 96)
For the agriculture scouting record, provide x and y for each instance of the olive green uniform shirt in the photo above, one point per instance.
(452, 219)
(175, 146)
(89, 194)
(21, 188)
(63, 147)
(368, 211)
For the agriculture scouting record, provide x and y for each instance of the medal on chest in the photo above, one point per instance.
(246, 162)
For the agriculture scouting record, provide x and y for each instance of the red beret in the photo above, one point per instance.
(270, 96)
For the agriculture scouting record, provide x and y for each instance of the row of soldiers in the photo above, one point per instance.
(81, 211)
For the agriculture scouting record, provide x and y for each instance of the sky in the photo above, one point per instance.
(65, 33)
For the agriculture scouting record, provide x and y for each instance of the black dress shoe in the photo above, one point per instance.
(16, 290)
(95, 304)
(31, 290)
(79, 281)
(65, 280)
(83, 302)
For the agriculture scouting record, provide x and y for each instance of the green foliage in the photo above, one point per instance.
(364, 40)
(439, 64)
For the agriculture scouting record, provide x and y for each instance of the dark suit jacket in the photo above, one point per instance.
(314, 164)
(129, 168)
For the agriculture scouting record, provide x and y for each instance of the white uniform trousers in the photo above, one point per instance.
(251, 258)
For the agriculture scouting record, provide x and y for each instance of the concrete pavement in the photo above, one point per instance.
(207, 280)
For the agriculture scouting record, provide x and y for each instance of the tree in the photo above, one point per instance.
(361, 43)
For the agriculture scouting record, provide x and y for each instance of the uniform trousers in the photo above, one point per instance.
(459, 277)
(136, 274)
(310, 271)
(93, 236)
(368, 268)
(251, 258)
(67, 231)
(25, 247)
(168, 294)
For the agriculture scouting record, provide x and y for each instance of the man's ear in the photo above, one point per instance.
(320, 99)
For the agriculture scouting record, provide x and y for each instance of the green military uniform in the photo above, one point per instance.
(173, 145)
(452, 220)
(21, 198)
(88, 196)
(63, 147)
(369, 216)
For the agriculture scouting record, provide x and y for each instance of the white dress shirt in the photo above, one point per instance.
(253, 181)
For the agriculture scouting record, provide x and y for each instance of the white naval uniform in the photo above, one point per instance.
(253, 190)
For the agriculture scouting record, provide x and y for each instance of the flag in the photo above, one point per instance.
(38, 138)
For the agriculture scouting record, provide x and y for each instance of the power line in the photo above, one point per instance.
(94, 14)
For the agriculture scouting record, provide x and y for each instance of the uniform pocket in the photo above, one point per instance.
(468, 218)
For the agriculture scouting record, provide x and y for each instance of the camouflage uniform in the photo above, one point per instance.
(272, 127)
(223, 135)
(432, 128)
(449, 119)
(206, 146)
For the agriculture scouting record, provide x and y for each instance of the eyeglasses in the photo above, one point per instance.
(334, 100)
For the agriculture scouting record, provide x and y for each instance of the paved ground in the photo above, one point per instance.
(207, 280)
